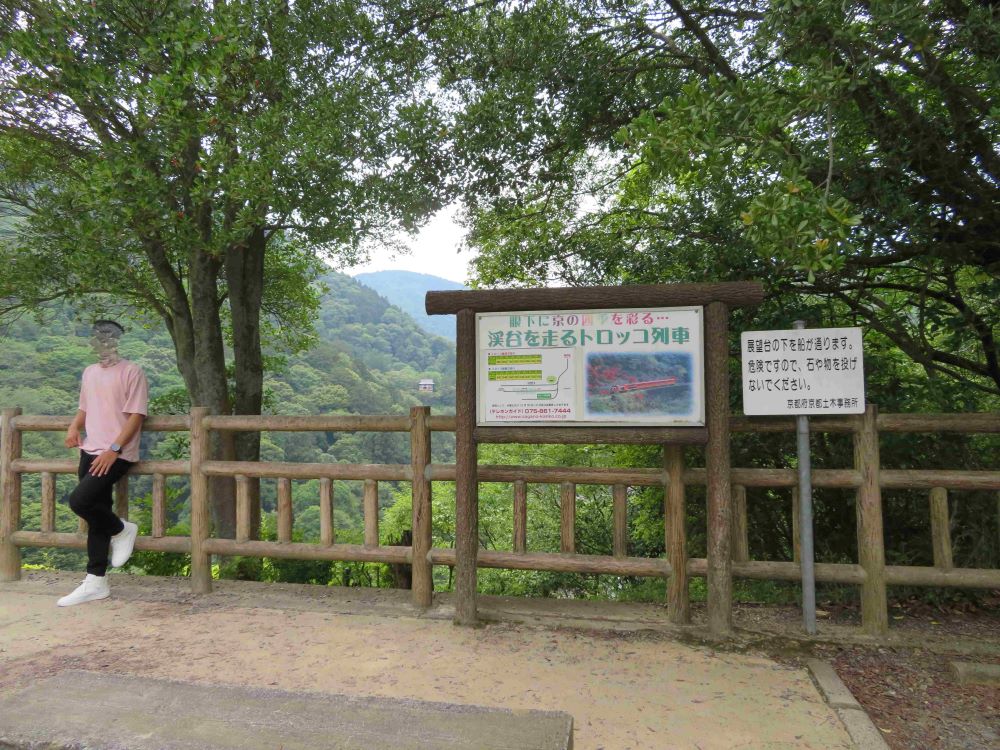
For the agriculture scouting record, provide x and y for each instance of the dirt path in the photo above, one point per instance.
(624, 691)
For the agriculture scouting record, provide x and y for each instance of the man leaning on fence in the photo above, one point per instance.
(113, 405)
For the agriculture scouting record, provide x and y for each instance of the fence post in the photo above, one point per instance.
(720, 565)
(520, 515)
(567, 524)
(871, 541)
(326, 532)
(420, 459)
(675, 518)
(796, 539)
(370, 505)
(941, 529)
(121, 498)
(619, 499)
(48, 501)
(285, 512)
(201, 561)
(244, 515)
(10, 496)
(159, 520)
(741, 542)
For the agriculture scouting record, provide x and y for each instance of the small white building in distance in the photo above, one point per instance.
(426, 385)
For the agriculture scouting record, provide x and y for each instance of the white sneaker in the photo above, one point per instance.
(122, 544)
(92, 588)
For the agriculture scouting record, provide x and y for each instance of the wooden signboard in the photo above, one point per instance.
(591, 367)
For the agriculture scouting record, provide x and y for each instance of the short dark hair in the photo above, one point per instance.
(114, 323)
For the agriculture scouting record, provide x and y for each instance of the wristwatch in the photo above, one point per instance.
(116, 448)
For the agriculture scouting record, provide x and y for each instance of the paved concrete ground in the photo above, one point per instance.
(140, 713)
(624, 690)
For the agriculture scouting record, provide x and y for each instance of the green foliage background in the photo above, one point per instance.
(368, 357)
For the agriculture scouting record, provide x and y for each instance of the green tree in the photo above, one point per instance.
(190, 160)
(845, 150)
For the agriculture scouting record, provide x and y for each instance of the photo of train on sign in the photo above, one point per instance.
(624, 384)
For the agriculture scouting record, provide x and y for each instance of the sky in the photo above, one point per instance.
(435, 250)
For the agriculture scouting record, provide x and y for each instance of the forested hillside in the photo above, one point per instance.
(407, 289)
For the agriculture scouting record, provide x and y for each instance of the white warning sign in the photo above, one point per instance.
(807, 371)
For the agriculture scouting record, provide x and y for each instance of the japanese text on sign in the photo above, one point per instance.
(819, 371)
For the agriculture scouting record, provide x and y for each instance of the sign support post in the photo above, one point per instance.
(806, 518)
(798, 373)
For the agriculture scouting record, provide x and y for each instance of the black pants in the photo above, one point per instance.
(92, 500)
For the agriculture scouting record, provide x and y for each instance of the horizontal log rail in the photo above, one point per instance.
(70, 466)
(328, 423)
(970, 423)
(288, 470)
(43, 423)
(441, 423)
(912, 575)
(870, 574)
(305, 551)
(79, 541)
(987, 422)
(255, 423)
(921, 479)
(561, 562)
(769, 570)
(739, 423)
(897, 479)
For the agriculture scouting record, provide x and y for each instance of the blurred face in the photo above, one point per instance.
(104, 341)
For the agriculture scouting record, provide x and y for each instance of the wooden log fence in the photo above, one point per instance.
(728, 557)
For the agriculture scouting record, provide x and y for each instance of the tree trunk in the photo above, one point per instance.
(244, 269)
(192, 318)
(212, 389)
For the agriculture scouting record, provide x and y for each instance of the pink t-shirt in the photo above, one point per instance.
(108, 395)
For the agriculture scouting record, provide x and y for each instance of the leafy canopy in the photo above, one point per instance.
(845, 150)
(157, 151)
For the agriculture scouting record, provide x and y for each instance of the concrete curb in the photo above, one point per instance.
(864, 733)
(80, 710)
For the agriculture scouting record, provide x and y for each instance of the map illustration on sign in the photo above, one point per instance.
(539, 385)
(527, 379)
(590, 367)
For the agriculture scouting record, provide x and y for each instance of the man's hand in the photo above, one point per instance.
(103, 463)
(72, 437)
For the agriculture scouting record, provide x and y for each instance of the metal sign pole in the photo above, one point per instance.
(806, 519)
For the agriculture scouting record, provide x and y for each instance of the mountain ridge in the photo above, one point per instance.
(407, 289)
